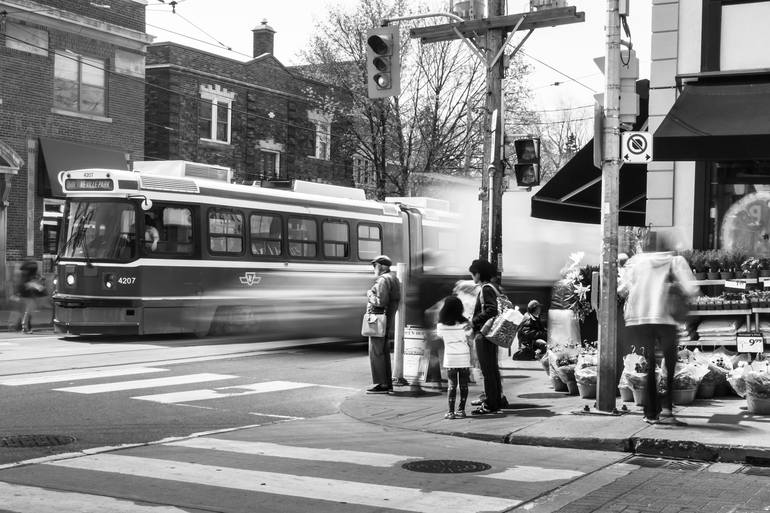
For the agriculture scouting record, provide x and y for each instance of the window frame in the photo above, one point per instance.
(359, 239)
(276, 172)
(78, 59)
(289, 240)
(242, 236)
(281, 241)
(214, 96)
(158, 208)
(346, 244)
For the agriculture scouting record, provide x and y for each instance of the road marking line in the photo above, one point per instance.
(222, 392)
(372, 459)
(57, 376)
(30, 499)
(529, 474)
(145, 383)
(287, 417)
(333, 490)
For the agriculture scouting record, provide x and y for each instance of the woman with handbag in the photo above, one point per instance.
(382, 303)
(485, 309)
(647, 281)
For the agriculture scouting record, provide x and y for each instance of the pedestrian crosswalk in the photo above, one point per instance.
(189, 468)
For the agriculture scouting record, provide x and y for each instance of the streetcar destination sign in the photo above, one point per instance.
(88, 184)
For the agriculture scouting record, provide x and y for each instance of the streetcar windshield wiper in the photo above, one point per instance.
(79, 238)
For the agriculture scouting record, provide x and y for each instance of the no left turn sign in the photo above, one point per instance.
(636, 147)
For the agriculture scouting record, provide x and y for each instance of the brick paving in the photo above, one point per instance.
(650, 490)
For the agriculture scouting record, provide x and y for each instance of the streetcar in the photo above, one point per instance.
(174, 247)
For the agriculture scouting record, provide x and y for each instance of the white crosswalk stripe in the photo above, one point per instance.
(77, 375)
(316, 488)
(222, 392)
(146, 383)
(530, 474)
(30, 499)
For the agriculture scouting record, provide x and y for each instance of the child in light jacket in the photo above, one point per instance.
(455, 331)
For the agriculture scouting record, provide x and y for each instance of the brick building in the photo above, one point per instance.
(71, 96)
(261, 119)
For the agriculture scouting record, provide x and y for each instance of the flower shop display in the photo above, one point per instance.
(579, 300)
(719, 366)
(586, 371)
(737, 378)
(635, 374)
(563, 361)
(757, 381)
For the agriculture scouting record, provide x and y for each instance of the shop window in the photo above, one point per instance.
(79, 83)
(27, 39)
(336, 239)
(369, 241)
(266, 234)
(303, 237)
(225, 231)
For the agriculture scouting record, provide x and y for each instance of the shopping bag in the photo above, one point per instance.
(501, 329)
(373, 325)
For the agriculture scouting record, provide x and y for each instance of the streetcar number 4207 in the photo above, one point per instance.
(127, 280)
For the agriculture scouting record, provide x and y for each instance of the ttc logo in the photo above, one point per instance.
(250, 279)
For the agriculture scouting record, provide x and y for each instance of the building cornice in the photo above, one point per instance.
(66, 21)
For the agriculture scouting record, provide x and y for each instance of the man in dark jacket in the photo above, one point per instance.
(532, 334)
(382, 298)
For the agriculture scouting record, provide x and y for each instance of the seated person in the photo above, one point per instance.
(151, 234)
(532, 333)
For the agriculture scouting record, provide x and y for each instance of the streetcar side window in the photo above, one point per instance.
(369, 241)
(336, 239)
(176, 231)
(225, 231)
(303, 237)
(266, 234)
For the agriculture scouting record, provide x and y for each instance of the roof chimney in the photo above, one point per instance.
(263, 39)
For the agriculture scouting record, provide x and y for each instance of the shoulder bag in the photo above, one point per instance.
(677, 300)
(501, 329)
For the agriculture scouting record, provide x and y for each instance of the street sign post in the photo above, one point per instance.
(636, 147)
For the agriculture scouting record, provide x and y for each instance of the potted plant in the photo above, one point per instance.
(726, 264)
(713, 262)
(750, 267)
(698, 264)
(764, 266)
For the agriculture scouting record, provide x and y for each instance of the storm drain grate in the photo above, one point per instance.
(445, 466)
(35, 440)
(667, 464)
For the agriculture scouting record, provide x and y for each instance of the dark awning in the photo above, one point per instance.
(716, 122)
(61, 155)
(575, 193)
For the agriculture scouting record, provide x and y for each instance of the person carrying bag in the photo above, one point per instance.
(382, 302)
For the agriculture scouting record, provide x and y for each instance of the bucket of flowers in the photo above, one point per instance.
(563, 361)
(586, 370)
(688, 373)
(757, 379)
(635, 375)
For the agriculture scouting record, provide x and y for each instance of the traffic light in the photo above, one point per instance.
(527, 167)
(383, 67)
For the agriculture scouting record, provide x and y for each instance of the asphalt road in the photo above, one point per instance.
(176, 425)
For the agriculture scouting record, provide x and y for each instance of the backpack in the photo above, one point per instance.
(502, 328)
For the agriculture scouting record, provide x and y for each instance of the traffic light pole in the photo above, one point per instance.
(607, 384)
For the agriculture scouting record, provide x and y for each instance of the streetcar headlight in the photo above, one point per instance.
(109, 281)
(70, 279)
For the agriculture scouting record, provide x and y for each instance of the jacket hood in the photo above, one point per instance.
(659, 259)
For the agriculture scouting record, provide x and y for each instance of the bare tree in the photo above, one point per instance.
(560, 139)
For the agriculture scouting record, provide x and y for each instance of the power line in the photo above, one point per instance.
(558, 71)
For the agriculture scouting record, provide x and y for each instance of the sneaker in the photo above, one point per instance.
(449, 416)
(378, 389)
(650, 420)
(477, 402)
(460, 414)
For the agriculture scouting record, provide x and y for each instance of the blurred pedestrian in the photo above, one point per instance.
(486, 351)
(455, 332)
(28, 288)
(382, 298)
(532, 334)
(646, 281)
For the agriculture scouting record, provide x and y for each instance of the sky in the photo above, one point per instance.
(214, 25)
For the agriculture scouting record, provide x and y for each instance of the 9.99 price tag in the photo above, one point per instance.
(750, 342)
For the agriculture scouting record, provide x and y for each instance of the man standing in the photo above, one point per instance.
(382, 298)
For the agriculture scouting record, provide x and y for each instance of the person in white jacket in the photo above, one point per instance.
(454, 330)
(644, 283)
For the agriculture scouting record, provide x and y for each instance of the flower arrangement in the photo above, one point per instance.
(575, 277)
(750, 266)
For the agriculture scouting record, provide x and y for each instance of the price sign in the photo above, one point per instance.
(750, 342)
(740, 285)
(765, 282)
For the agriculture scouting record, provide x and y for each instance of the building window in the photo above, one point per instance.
(225, 231)
(362, 172)
(27, 39)
(271, 163)
(303, 237)
(79, 83)
(323, 124)
(266, 234)
(743, 32)
(369, 241)
(215, 114)
(335, 239)
(127, 63)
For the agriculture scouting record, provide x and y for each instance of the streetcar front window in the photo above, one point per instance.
(100, 230)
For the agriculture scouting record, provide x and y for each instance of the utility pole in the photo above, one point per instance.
(488, 38)
(607, 384)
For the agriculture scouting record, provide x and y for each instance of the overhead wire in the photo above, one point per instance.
(558, 71)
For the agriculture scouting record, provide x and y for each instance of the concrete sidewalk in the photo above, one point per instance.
(42, 318)
(719, 429)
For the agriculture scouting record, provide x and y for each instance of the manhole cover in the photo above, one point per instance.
(445, 466)
(35, 440)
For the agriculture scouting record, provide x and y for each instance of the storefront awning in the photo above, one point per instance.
(716, 122)
(58, 155)
(575, 193)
